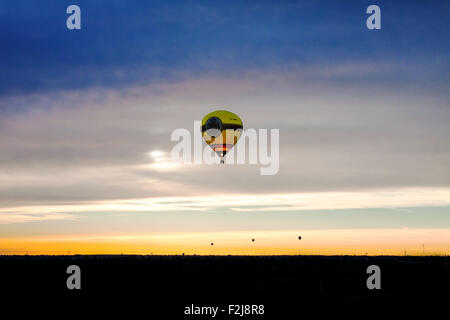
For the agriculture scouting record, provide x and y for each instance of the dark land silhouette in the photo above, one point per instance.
(286, 285)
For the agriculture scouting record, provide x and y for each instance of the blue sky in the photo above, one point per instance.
(125, 43)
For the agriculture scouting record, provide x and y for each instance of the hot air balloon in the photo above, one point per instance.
(299, 238)
(253, 240)
(221, 130)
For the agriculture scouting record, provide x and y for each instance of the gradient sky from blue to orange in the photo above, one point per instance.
(86, 118)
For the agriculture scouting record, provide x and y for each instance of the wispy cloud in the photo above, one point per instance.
(240, 203)
(14, 216)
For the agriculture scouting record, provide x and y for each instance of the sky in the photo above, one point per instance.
(86, 118)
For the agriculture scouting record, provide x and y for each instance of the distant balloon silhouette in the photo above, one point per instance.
(253, 240)
(212, 243)
(221, 130)
(299, 238)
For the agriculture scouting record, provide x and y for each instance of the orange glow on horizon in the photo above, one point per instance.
(313, 242)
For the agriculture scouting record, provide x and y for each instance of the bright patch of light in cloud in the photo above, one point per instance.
(161, 161)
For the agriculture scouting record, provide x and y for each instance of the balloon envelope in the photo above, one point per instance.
(221, 130)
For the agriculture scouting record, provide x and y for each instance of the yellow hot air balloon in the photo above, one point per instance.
(221, 130)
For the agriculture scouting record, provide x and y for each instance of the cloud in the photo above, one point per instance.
(76, 147)
(271, 202)
(19, 217)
